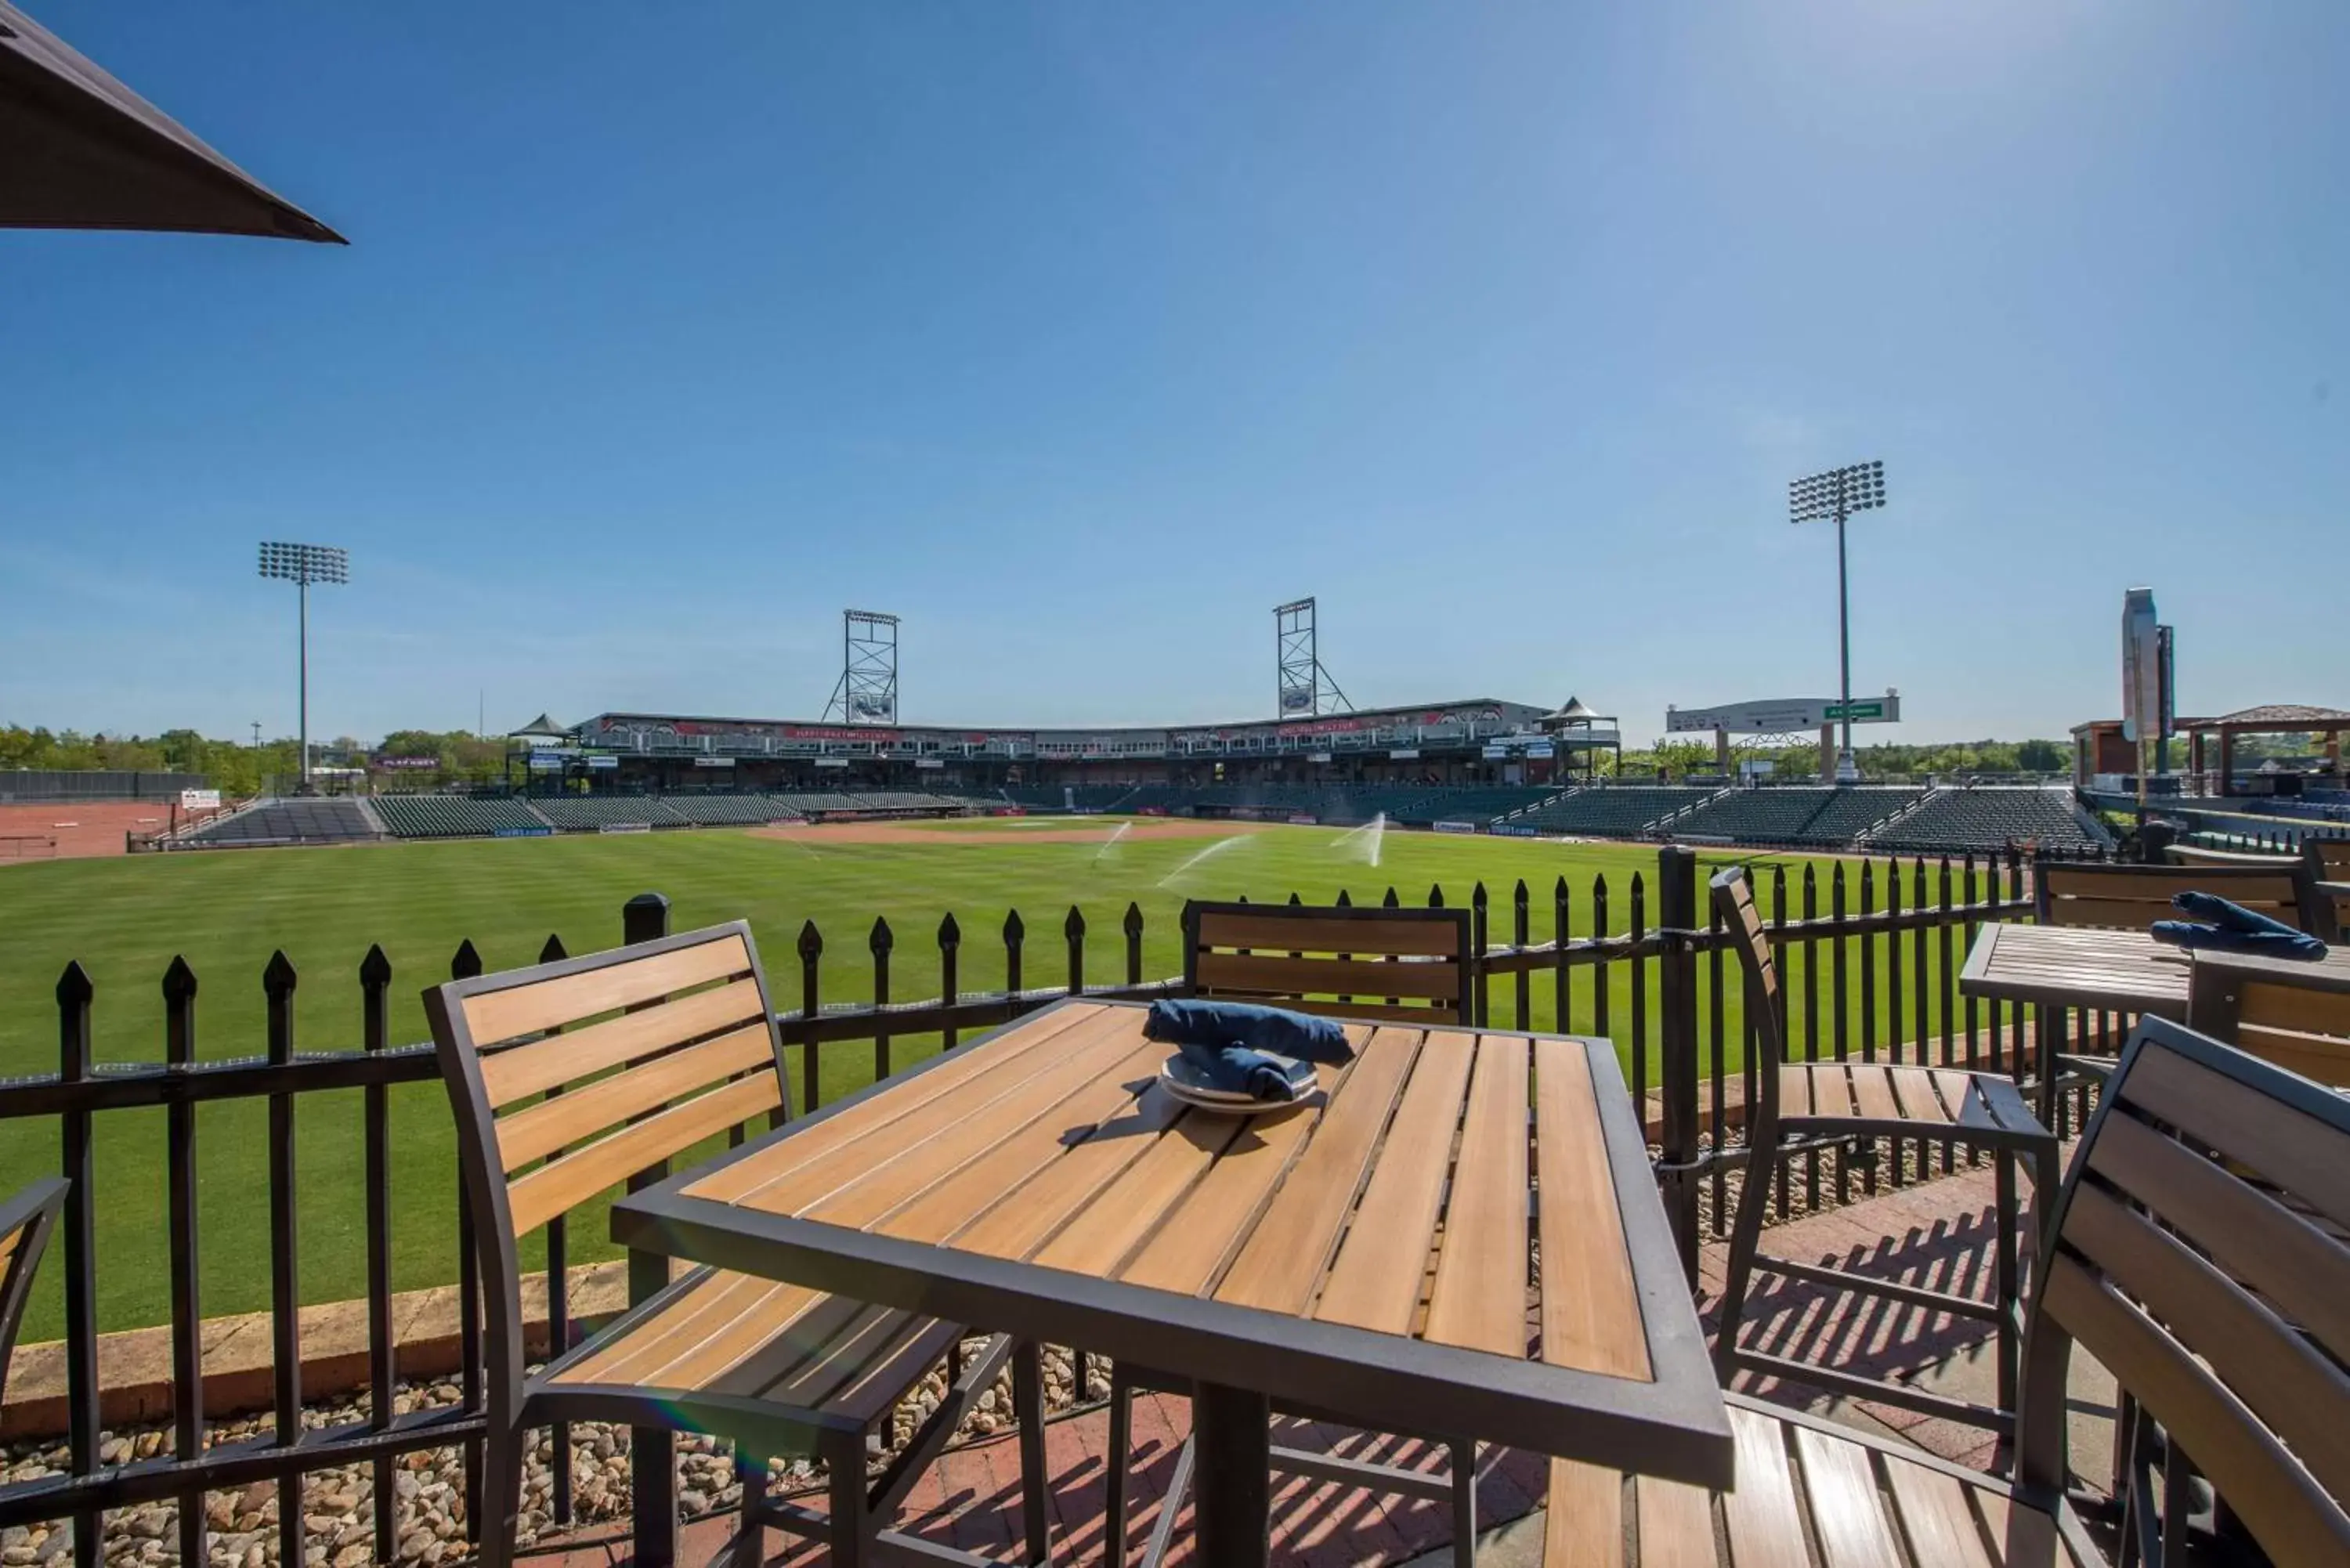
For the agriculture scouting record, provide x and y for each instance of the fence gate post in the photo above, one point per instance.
(1677, 1074)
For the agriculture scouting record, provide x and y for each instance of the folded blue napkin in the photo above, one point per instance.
(1250, 1025)
(2231, 927)
(1237, 1070)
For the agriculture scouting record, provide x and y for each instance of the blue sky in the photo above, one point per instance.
(1081, 334)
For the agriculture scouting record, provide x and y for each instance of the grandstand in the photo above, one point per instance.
(1955, 821)
(588, 813)
(731, 810)
(1612, 811)
(1794, 815)
(456, 815)
(325, 820)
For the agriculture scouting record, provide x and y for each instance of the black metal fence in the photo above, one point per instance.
(1870, 956)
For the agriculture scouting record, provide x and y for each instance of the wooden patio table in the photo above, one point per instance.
(1457, 1235)
(2059, 968)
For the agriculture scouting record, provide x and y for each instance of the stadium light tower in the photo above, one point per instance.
(303, 564)
(1838, 493)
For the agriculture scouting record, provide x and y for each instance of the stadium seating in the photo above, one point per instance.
(1612, 811)
(587, 812)
(1954, 821)
(1777, 813)
(454, 816)
(731, 810)
(323, 820)
(1056, 797)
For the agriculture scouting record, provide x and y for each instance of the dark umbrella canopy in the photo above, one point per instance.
(80, 151)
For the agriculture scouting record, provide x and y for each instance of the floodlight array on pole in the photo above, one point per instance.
(1838, 493)
(303, 564)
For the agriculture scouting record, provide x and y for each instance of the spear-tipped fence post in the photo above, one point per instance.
(1677, 921)
(278, 982)
(1521, 938)
(1073, 930)
(950, 944)
(1478, 942)
(880, 940)
(1133, 944)
(465, 963)
(187, 1309)
(811, 951)
(375, 1120)
(74, 1065)
(1016, 934)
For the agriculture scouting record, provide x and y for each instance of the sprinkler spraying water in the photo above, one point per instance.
(1111, 842)
(1363, 843)
(1218, 848)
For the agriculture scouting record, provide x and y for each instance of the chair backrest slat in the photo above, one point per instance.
(532, 1006)
(1733, 901)
(2132, 897)
(1399, 965)
(526, 1070)
(2191, 1256)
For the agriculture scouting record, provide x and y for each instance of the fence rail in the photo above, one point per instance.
(1870, 952)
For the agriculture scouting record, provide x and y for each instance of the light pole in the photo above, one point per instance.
(303, 564)
(1838, 493)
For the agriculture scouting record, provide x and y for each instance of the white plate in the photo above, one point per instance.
(1183, 1081)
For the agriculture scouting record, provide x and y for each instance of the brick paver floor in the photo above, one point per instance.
(1938, 1233)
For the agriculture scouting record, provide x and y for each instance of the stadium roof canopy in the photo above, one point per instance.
(86, 153)
(540, 727)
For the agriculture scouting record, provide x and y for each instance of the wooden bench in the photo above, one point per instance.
(1413, 966)
(571, 1078)
(1813, 1104)
(2219, 1301)
(1401, 966)
(2327, 864)
(26, 1218)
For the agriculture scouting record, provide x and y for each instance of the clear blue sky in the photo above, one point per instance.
(1082, 334)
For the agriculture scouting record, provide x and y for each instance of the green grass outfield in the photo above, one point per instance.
(226, 911)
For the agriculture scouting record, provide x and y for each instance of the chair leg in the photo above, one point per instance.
(502, 1461)
(2004, 1346)
(1028, 1416)
(1745, 1236)
(750, 1547)
(853, 1525)
(1464, 1503)
(1121, 1445)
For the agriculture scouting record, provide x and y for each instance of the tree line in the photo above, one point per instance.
(238, 769)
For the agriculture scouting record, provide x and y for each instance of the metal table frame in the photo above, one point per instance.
(1239, 1359)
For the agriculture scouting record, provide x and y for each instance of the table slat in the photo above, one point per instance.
(1207, 1227)
(735, 1182)
(1374, 1283)
(1027, 1219)
(1113, 1050)
(1479, 1297)
(1128, 1211)
(1291, 1245)
(1590, 1306)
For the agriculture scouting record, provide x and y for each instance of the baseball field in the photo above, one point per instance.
(124, 919)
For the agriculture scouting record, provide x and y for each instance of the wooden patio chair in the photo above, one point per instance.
(2221, 1310)
(1399, 966)
(2328, 861)
(1407, 966)
(2132, 897)
(1806, 1106)
(26, 1218)
(570, 1078)
(2295, 1015)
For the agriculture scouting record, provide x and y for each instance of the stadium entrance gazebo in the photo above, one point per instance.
(1575, 727)
(2271, 719)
